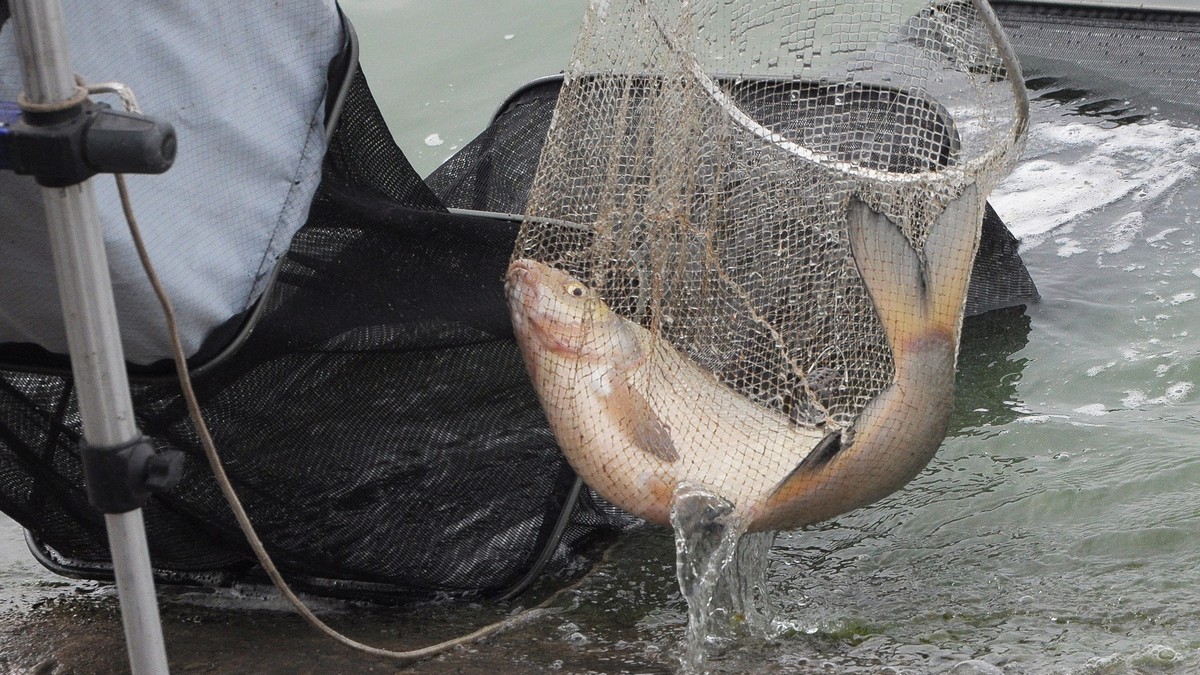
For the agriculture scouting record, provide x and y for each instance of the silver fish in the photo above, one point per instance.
(636, 419)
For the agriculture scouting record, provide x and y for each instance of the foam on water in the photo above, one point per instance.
(1175, 393)
(1069, 247)
(1149, 656)
(1080, 168)
(1125, 230)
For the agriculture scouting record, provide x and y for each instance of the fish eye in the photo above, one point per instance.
(576, 290)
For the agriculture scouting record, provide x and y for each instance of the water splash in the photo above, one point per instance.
(706, 533)
(741, 594)
(722, 574)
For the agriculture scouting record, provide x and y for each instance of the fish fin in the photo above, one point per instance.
(825, 450)
(891, 271)
(950, 249)
(634, 413)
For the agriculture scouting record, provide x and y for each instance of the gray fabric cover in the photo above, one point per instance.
(244, 85)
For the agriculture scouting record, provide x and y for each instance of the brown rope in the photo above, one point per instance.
(81, 94)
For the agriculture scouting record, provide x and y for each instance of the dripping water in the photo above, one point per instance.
(722, 574)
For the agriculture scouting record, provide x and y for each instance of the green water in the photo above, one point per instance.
(1057, 530)
(439, 69)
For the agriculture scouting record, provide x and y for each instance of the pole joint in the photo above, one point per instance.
(122, 478)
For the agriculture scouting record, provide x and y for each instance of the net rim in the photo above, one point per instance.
(959, 174)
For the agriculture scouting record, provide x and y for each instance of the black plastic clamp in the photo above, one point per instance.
(122, 478)
(69, 146)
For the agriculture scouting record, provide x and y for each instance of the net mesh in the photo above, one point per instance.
(748, 223)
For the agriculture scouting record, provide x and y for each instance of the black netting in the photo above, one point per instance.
(1120, 63)
(495, 170)
(377, 420)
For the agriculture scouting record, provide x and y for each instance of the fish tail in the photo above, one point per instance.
(920, 305)
(915, 298)
(950, 249)
(892, 273)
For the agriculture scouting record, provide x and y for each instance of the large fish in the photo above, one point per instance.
(636, 418)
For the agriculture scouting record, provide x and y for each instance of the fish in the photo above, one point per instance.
(637, 419)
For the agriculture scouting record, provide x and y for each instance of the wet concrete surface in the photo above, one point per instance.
(56, 626)
(82, 633)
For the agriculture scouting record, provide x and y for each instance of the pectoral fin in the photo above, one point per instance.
(633, 413)
(825, 450)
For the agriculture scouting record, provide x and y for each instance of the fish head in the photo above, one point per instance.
(553, 311)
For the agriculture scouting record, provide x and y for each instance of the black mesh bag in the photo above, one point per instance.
(373, 413)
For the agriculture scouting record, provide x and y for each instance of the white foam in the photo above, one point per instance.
(1125, 230)
(1077, 168)
(1134, 398)
(1153, 657)
(1069, 247)
(975, 667)
(1092, 409)
(1176, 392)
(1180, 298)
(1161, 235)
(433, 140)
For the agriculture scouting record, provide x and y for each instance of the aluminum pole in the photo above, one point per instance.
(93, 338)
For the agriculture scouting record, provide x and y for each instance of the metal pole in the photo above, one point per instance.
(89, 312)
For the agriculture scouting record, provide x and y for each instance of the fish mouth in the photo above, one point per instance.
(536, 316)
(518, 270)
(520, 284)
(523, 286)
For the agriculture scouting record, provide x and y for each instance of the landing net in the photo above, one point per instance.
(701, 167)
